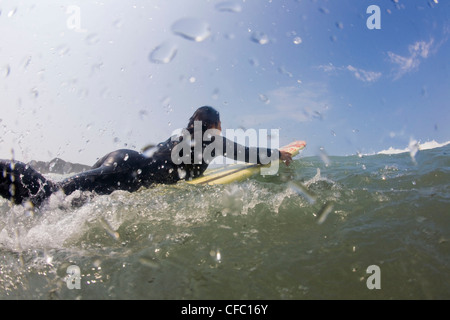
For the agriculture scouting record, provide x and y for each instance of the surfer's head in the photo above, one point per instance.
(209, 117)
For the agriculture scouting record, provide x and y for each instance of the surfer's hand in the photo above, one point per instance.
(285, 157)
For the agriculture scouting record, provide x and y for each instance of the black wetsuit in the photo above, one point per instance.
(122, 170)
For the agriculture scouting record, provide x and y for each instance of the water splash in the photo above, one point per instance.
(158, 254)
(413, 149)
(192, 29)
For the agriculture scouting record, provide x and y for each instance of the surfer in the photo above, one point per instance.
(130, 170)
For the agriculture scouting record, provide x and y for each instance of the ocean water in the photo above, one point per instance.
(315, 231)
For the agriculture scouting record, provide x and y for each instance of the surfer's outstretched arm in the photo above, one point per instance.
(239, 152)
(20, 182)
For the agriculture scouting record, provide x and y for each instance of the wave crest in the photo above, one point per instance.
(413, 145)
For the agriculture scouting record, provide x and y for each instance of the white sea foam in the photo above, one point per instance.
(412, 145)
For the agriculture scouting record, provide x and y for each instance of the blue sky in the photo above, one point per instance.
(79, 79)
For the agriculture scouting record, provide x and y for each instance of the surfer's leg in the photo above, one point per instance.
(19, 182)
(117, 170)
(99, 180)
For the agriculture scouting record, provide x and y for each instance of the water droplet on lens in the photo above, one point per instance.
(181, 173)
(143, 114)
(324, 157)
(324, 10)
(215, 94)
(317, 115)
(229, 6)
(432, 3)
(92, 39)
(283, 70)
(106, 225)
(260, 38)
(26, 62)
(218, 256)
(229, 36)
(34, 93)
(5, 70)
(62, 50)
(117, 23)
(165, 101)
(148, 262)
(297, 40)
(264, 98)
(254, 62)
(163, 53)
(192, 29)
(12, 12)
(302, 190)
(324, 212)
